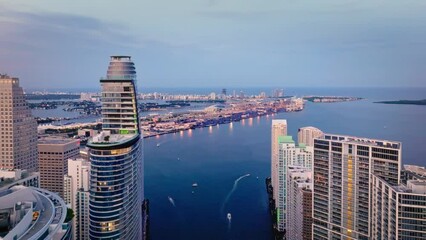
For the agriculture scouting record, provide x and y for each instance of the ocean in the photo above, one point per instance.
(216, 157)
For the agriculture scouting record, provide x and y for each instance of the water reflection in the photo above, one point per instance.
(210, 129)
(250, 122)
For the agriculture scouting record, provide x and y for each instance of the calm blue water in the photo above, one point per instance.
(215, 157)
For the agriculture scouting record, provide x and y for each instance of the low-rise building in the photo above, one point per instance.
(9, 178)
(32, 213)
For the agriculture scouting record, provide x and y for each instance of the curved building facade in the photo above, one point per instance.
(116, 177)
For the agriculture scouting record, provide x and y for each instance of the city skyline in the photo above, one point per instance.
(301, 119)
(217, 43)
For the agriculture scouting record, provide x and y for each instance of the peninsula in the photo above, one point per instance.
(330, 99)
(406, 102)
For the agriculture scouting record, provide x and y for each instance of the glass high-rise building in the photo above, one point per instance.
(116, 177)
(343, 166)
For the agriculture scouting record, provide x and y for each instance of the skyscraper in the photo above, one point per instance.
(224, 92)
(53, 154)
(18, 128)
(116, 180)
(279, 128)
(398, 211)
(299, 203)
(76, 194)
(306, 135)
(289, 156)
(342, 169)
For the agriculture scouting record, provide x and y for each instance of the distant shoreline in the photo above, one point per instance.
(330, 99)
(405, 102)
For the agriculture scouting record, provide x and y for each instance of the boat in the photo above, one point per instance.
(158, 144)
(229, 216)
(195, 185)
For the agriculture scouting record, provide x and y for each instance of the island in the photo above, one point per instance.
(406, 102)
(330, 99)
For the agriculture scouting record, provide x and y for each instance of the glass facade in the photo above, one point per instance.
(116, 155)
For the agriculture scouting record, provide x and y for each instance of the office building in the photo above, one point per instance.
(18, 128)
(289, 156)
(53, 153)
(116, 180)
(299, 203)
(398, 211)
(32, 213)
(76, 195)
(342, 194)
(279, 128)
(306, 135)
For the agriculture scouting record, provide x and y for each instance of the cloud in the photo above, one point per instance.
(48, 50)
(217, 42)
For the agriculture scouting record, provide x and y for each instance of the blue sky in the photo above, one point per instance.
(216, 43)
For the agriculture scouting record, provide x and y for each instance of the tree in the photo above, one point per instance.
(70, 215)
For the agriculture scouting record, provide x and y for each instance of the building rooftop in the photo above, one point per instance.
(285, 139)
(279, 121)
(4, 76)
(106, 138)
(417, 170)
(413, 186)
(32, 213)
(364, 141)
(56, 140)
(121, 57)
(309, 127)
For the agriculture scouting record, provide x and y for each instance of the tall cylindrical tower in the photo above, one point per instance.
(116, 179)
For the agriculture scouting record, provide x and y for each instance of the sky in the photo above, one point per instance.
(216, 43)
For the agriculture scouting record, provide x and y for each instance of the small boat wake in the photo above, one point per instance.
(234, 188)
(171, 201)
(161, 143)
(228, 216)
